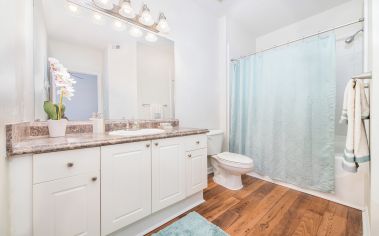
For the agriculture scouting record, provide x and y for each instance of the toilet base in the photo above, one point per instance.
(231, 182)
(228, 179)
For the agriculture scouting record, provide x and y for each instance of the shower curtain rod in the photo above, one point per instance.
(302, 38)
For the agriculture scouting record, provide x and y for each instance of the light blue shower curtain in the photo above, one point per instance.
(283, 109)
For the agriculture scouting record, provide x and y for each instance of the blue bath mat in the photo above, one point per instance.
(192, 224)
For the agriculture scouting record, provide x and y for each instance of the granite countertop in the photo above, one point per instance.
(35, 145)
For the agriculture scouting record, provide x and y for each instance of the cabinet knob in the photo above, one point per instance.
(94, 179)
(148, 145)
(189, 155)
(70, 164)
(156, 144)
(197, 142)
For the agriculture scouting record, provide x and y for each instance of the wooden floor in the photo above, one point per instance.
(263, 208)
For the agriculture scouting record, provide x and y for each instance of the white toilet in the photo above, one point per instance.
(228, 167)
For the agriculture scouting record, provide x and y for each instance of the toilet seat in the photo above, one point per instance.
(234, 160)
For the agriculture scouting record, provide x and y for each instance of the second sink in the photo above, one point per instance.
(139, 132)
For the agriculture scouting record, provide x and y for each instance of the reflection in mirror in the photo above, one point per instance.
(121, 71)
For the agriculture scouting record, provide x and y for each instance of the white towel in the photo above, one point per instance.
(355, 110)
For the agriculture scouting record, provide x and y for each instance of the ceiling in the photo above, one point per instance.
(263, 16)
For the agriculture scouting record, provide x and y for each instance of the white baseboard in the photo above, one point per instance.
(210, 170)
(161, 217)
(311, 192)
(366, 222)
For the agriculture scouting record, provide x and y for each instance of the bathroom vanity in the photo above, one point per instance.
(94, 184)
(102, 184)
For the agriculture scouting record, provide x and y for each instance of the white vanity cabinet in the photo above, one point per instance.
(66, 193)
(128, 187)
(196, 163)
(196, 171)
(126, 184)
(168, 175)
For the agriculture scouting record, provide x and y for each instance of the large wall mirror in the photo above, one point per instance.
(117, 74)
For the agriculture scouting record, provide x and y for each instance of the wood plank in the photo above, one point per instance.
(219, 208)
(354, 222)
(252, 213)
(292, 217)
(334, 220)
(312, 217)
(254, 198)
(267, 224)
(215, 191)
(226, 219)
(248, 189)
(263, 208)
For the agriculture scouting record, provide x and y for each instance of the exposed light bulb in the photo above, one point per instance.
(105, 4)
(73, 7)
(146, 17)
(118, 25)
(135, 32)
(163, 24)
(126, 10)
(150, 37)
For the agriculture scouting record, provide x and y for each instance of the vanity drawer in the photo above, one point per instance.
(56, 165)
(195, 142)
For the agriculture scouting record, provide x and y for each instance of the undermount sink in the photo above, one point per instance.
(138, 132)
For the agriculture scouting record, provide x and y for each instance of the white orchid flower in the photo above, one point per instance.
(62, 80)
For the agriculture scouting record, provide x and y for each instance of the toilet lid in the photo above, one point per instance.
(233, 157)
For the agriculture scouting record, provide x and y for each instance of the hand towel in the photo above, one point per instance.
(355, 110)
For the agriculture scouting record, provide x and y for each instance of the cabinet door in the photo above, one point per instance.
(126, 184)
(196, 165)
(168, 175)
(67, 207)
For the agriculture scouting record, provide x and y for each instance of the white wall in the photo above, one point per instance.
(155, 69)
(16, 90)
(195, 33)
(40, 62)
(80, 59)
(342, 14)
(121, 81)
(374, 62)
(241, 39)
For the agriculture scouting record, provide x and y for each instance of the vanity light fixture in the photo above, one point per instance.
(145, 17)
(118, 25)
(135, 32)
(105, 4)
(126, 10)
(150, 37)
(124, 13)
(163, 24)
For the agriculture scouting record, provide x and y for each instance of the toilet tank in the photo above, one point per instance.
(215, 138)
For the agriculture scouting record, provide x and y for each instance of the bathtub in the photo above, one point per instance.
(350, 187)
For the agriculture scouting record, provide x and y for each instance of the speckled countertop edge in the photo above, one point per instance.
(78, 141)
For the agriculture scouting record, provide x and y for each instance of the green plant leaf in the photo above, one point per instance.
(50, 110)
(57, 110)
